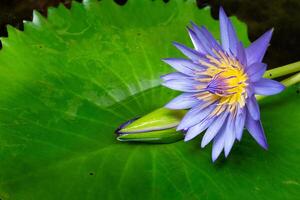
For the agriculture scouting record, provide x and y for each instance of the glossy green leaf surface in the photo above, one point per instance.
(68, 81)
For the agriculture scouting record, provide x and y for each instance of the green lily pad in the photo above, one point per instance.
(68, 81)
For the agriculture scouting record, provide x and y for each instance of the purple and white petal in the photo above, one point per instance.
(255, 71)
(253, 108)
(241, 54)
(196, 42)
(197, 129)
(211, 42)
(184, 66)
(175, 76)
(233, 40)
(229, 134)
(205, 42)
(224, 29)
(184, 85)
(188, 52)
(267, 87)
(195, 116)
(214, 128)
(255, 129)
(228, 35)
(183, 101)
(218, 145)
(256, 51)
(240, 123)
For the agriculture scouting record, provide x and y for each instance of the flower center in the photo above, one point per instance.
(227, 80)
(227, 83)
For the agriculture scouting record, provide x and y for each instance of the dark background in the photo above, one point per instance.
(259, 15)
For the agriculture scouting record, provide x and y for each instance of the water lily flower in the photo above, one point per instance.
(219, 81)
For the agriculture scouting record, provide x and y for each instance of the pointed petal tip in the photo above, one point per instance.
(165, 59)
(222, 15)
(194, 25)
(166, 84)
(281, 87)
(203, 143)
(176, 44)
(270, 31)
(162, 76)
(269, 34)
(169, 61)
(215, 157)
(264, 145)
(172, 106)
(239, 138)
(163, 83)
(226, 152)
(187, 51)
(191, 32)
(168, 106)
(186, 139)
(268, 87)
(179, 127)
(222, 11)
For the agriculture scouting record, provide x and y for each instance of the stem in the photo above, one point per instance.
(284, 70)
(291, 80)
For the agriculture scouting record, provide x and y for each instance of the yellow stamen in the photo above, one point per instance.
(227, 82)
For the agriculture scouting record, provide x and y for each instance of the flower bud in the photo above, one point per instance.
(158, 126)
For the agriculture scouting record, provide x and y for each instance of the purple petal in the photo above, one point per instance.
(183, 65)
(190, 53)
(253, 108)
(205, 41)
(256, 51)
(229, 135)
(240, 123)
(197, 129)
(250, 90)
(241, 54)
(256, 131)
(175, 75)
(228, 35)
(195, 115)
(213, 129)
(256, 70)
(218, 144)
(183, 101)
(224, 29)
(183, 84)
(267, 87)
(233, 39)
(196, 42)
(211, 41)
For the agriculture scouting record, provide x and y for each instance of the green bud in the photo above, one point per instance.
(158, 126)
(163, 136)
